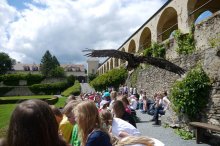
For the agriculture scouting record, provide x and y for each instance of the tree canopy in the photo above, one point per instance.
(6, 63)
(50, 66)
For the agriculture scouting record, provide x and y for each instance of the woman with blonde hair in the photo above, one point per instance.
(139, 141)
(89, 124)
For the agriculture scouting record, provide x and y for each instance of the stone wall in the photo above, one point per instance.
(19, 91)
(153, 79)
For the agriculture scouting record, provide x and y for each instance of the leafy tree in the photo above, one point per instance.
(46, 64)
(55, 61)
(92, 76)
(57, 72)
(6, 63)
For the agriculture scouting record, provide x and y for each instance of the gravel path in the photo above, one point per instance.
(166, 135)
(86, 88)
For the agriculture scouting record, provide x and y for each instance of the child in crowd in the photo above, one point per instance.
(88, 120)
(33, 124)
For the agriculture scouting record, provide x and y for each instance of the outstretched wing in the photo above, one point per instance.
(162, 63)
(109, 53)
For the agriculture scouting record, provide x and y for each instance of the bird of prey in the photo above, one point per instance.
(134, 61)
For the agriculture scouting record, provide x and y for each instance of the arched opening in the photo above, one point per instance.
(111, 64)
(167, 23)
(197, 8)
(132, 47)
(145, 39)
(116, 62)
(203, 16)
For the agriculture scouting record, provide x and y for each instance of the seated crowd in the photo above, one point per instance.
(91, 120)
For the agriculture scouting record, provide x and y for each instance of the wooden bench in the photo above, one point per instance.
(200, 129)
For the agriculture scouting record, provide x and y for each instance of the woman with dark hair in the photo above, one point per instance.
(119, 111)
(33, 124)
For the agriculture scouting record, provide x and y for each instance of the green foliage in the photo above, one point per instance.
(71, 80)
(156, 50)
(114, 78)
(57, 72)
(13, 79)
(186, 43)
(49, 66)
(4, 90)
(49, 89)
(34, 78)
(6, 63)
(186, 135)
(92, 76)
(191, 94)
(74, 90)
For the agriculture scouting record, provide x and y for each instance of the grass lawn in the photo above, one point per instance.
(7, 109)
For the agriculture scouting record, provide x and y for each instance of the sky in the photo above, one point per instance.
(66, 27)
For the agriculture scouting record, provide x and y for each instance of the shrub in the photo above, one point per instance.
(186, 43)
(13, 79)
(186, 135)
(156, 50)
(34, 79)
(74, 90)
(49, 89)
(190, 95)
(114, 78)
(71, 80)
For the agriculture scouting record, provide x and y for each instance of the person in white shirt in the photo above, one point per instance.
(118, 127)
(133, 102)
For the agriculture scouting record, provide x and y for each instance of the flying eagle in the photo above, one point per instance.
(134, 61)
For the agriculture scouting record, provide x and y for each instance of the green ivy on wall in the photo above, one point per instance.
(186, 43)
(190, 95)
(156, 50)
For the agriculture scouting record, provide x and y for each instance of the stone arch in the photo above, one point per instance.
(111, 63)
(132, 47)
(203, 16)
(167, 23)
(196, 8)
(145, 39)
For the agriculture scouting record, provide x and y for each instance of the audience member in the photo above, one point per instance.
(117, 126)
(33, 124)
(89, 123)
(119, 111)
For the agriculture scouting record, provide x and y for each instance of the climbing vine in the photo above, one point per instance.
(155, 50)
(190, 95)
(186, 43)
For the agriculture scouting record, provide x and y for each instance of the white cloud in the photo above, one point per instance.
(67, 27)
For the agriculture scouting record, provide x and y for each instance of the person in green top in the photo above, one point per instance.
(75, 140)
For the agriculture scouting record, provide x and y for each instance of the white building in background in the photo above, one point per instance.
(70, 69)
(93, 64)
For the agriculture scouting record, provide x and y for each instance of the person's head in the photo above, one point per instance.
(87, 118)
(97, 98)
(33, 124)
(67, 110)
(125, 101)
(118, 109)
(106, 96)
(57, 113)
(106, 118)
(113, 95)
(70, 98)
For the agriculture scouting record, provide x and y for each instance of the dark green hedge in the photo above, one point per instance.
(49, 89)
(4, 90)
(13, 79)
